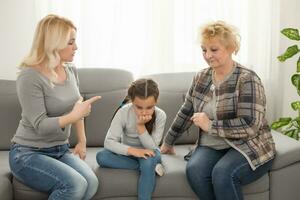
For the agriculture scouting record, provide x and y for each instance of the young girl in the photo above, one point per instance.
(134, 135)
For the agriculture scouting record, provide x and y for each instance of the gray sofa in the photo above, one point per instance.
(280, 183)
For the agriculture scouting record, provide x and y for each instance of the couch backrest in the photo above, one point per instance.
(112, 85)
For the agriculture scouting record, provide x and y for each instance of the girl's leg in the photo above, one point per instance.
(106, 158)
(44, 173)
(146, 183)
(82, 168)
(199, 169)
(231, 172)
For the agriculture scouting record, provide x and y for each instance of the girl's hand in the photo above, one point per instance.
(167, 149)
(82, 109)
(143, 119)
(80, 150)
(201, 120)
(140, 153)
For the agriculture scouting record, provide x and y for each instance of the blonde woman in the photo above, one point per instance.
(47, 88)
(227, 102)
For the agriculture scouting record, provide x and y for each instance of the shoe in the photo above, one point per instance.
(159, 169)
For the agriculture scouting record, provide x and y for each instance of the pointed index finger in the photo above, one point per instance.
(93, 99)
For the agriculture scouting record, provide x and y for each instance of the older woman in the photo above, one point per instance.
(227, 102)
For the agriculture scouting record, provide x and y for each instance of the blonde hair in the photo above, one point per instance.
(227, 34)
(51, 35)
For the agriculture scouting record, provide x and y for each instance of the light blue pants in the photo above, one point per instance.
(54, 170)
(146, 167)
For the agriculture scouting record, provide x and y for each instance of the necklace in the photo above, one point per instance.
(222, 77)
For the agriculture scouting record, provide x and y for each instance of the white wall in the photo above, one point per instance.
(289, 17)
(16, 32)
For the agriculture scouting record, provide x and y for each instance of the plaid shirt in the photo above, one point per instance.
(240, 110)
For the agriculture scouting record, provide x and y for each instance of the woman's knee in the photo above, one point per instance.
(197, 173)
(221, 177)
(93, 185)
(76, 187)
(192, 168)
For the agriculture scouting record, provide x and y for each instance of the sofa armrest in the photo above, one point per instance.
(287, 151)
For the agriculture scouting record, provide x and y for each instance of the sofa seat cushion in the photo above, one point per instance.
(123, 183)
(6, 188)
(22, 192)
(116, 182)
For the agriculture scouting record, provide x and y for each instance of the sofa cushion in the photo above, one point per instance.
(117, 182)
(168, 101)
(23, 192)
(6, 189)
(287, 151)
(92, 82)
(10, 112)
(123, 183)
(98, 122)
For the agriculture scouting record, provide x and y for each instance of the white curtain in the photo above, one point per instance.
(155, 36)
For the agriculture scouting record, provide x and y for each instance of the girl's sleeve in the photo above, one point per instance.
(112, 140)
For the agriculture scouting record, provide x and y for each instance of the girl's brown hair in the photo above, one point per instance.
(142, 88)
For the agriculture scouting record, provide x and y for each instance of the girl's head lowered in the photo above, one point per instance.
(143, 93)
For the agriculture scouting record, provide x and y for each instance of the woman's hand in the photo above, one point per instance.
(167, 149)
(82, 109)
(140, 153)
(80, 150)
(201, 120)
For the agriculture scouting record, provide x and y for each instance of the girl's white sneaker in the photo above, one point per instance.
(159, 169)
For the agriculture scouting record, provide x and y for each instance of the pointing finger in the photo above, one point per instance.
(93, 99)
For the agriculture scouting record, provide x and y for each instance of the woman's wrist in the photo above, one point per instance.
(66, 120)
(82, 142)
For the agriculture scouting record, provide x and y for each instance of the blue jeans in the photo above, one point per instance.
(146, 182)
(220, 174)
(54, 170)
